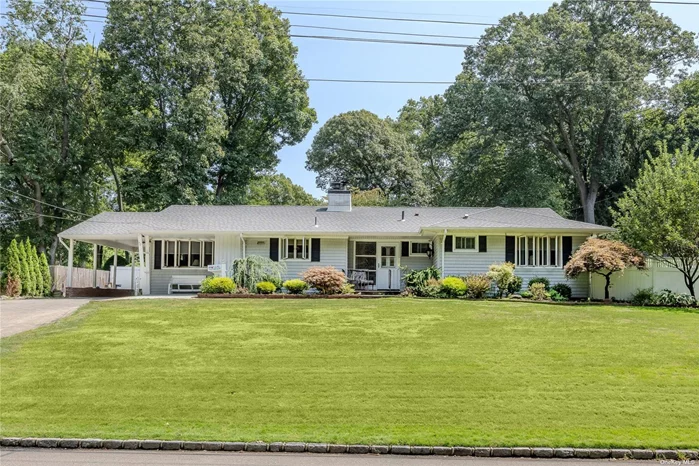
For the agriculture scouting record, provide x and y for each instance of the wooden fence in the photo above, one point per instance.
(82, 278)
(659, 276)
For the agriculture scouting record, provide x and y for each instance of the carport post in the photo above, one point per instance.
(94, 265)
(115, 268)
(133, 270)
(69, 274)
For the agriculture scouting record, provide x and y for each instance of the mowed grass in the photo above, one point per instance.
(395, 371)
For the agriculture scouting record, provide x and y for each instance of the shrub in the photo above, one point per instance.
(295, 286)
(418, 278)
(241, 290)
(526, 294)
(431, 289)
(669, 298)
(563, 290)
(642, 297)
(13, 287)
(503, 275)
(538, 291)
(13, 271)
(46, 274)
(347, 288)
(253, 269)
(515, 285)
(477, 286)
(544, 280)
(266, 287)
(217, 285)
(453, 287)
(556, 296)
(327, 280)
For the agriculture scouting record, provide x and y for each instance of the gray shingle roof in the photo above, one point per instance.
(301, 219)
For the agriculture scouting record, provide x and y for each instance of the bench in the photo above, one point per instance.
(185, 283)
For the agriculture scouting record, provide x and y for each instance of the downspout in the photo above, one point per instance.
(242, 242)
(444, 240)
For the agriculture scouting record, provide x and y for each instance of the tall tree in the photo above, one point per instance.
(660, 214)
(219, 93)
(47, 82)
(277, 189)
(562, 81)
(368, 153)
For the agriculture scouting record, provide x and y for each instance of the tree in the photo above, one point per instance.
(218, 98)
(47, 83)
(369, 198)
(46, 274)
(603, 257)
(13, 271)
(25, 273)
(660, 214)
(277, 189)
(36, 271)
(368, 153)
(562, 82)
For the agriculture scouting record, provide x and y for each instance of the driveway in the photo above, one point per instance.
(20, 315)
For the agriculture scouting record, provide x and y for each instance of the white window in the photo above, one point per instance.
(419, 249)
(365, 255)
(465, 243)
(538, 251)
(187, 253)
(297, 248)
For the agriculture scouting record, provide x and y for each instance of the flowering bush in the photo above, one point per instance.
(453, 287)
(327, 280)
(217, 285)
(266, 287)
(295, 286)
(477, 286)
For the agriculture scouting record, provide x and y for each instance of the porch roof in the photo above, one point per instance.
(317, 220)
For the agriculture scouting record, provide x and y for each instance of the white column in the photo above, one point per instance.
(142, 263)
(94, 265)
(444, 240)
(133, 269)
(114, 285)
(145, 280)
(69, 274)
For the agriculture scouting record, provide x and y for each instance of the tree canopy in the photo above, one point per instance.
(277, 189)
(660, 214)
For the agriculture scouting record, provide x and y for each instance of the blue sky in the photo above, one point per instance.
(372, 61)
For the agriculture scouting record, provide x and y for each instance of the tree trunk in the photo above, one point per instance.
(117, 183)
(690, 284)
(607, 283)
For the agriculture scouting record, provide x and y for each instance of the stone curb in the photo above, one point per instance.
(302, 447)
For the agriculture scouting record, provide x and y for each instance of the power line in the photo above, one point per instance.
(381, 41)
(45, 203)
(380, 18)
(662, 2)
(383, 32)
(375, 81)
(305, 7)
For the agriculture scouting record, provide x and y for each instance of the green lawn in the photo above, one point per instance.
(373, 371)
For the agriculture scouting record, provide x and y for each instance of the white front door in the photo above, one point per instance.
(387, 267)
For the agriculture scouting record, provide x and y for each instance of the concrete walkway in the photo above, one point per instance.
(20, 315)
(38, 456)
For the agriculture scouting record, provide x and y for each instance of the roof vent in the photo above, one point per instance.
(339, 197)
(315, 224)
(465, 216)
(402, 218)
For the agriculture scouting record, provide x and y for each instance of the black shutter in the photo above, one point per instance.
(405, 248)
(567, 249)
(482, 244)
(274, 249)
(510, 249)
(158, 251)
(315, 249)
(448, 244)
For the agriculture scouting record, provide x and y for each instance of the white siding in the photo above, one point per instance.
(227, 248)
(465, 263)
(333, 252)
(159, 279)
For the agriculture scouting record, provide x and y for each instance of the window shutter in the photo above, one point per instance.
(405, 248)
(482, 244)
(158, 253)
(274, 249)
(510, 249)
(567, 249)
(448, 243)
(315, 249)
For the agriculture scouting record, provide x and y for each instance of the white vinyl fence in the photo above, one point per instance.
(659, 276)
(123, 276)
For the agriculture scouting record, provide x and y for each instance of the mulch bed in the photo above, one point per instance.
(290, 296)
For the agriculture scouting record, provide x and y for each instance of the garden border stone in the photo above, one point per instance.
(299, 447)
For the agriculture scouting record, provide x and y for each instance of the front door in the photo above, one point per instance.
(387, 271)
